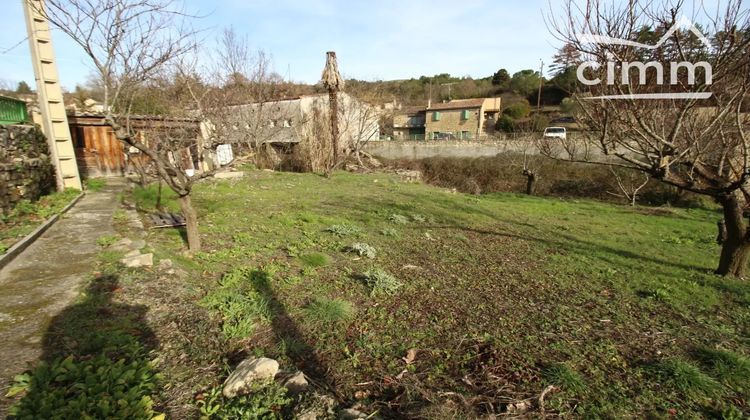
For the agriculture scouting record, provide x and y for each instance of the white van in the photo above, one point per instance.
(555, 133)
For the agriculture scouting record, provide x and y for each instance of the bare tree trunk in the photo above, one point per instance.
(530, 181)
(191, 220)
(334, 104)
(159, 206)
(735, 251)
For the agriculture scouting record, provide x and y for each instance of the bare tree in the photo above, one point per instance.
(333, 83)
(238, 97)
(628, 184)
(361, 117)
(129, 43)
(694, 138)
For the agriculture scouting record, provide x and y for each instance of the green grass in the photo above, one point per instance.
(315, 259)
(688, 379)
(27, 216)
(327, 312)
(96, 361)
(609, 303)
(95, 184)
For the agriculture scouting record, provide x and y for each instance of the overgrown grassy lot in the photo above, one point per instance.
(418, 302)
(28, 215)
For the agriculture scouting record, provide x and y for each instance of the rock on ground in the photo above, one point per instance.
(296, 383)
(136, 261)
(247, 372)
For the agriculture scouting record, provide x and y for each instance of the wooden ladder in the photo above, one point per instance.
(51, 105)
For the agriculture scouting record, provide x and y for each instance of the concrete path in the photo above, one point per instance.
(46, 277)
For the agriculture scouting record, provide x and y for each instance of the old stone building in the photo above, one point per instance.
(466, 119)
(408, 123)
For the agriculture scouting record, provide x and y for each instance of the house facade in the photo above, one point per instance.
(466, 119)
(409, 123)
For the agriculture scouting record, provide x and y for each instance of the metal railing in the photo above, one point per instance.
(12, 111)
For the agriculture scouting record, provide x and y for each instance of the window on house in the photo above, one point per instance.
(465, 114)
(435, 135)
(465, 135)
(435, 116)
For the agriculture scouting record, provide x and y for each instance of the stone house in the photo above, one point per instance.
(466, 119)
(409, 123)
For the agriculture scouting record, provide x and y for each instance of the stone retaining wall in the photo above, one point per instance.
(26, 171)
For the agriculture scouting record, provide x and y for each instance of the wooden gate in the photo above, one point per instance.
(98, 152)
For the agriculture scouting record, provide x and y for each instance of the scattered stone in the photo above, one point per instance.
(133, 253)
(228, 175)
(351, 414)
(138, 244)
(166, 264)
(123, 244)
(247, 372)
(317, 407)
(407, 175)
(411, 267)
(141, 260)
(518, 407)
(296, 384)
(5, 317)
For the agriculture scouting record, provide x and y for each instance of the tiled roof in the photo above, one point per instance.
(410, 110)
(458, 104)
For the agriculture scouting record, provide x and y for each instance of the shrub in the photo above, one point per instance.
(505, 124)
(518, 110)
(380, 282)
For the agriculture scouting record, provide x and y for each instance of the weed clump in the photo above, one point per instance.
(315, 259)
(343, 230)
(688, 379)
(361, 249)
(398, 219)
(265, 400)
(380, 282)
(237, 299)
(324, 312)
(561, 375)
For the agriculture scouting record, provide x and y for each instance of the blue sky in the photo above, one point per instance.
(373, 39)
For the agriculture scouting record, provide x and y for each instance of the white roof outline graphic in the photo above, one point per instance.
(683, 22)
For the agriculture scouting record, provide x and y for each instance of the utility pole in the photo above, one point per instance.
(50, 98)
(429, 100)
(541, 82)
(449, 89)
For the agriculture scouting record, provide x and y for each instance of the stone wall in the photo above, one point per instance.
(452, 121)
(26, 171)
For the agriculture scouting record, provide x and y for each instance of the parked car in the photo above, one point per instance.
(555, 133)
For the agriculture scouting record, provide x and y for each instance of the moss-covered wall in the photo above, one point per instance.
(26, 170)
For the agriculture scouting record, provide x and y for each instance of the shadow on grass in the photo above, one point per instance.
(286, 331)
(95, 362)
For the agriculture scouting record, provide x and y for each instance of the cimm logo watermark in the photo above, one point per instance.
(626, 69)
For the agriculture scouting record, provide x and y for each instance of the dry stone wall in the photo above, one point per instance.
(26, 170)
